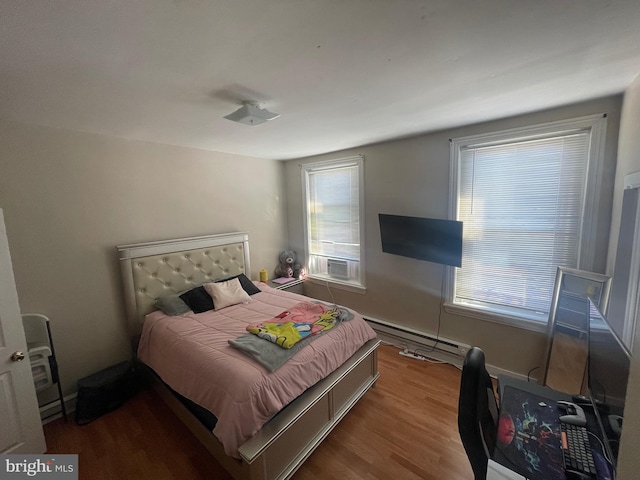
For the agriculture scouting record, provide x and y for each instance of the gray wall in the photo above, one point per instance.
(411, 177)
(69, 198)
(628, 162)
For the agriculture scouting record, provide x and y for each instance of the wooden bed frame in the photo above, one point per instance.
(151, 270)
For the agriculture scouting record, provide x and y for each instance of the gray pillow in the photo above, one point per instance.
(172, 305)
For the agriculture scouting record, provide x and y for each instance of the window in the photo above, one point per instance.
(333, 214)
(526, 198)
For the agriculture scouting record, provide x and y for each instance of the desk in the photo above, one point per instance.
(528, 444)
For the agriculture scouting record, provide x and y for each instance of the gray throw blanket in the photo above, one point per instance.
(273, 356)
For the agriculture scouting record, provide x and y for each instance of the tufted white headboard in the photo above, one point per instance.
(155, 269)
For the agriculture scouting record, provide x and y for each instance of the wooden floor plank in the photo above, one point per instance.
(405, 427)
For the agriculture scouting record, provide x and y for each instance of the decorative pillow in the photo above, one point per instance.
(172, 305)
(226, 293)
(198, 300)
(247, 285)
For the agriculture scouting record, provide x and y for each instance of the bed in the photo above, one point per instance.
(291, 421)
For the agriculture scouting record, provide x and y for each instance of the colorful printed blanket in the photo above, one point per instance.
(303, 320)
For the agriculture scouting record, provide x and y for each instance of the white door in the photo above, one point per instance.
(20, 424)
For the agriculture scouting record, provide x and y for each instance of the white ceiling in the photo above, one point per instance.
(341, 73)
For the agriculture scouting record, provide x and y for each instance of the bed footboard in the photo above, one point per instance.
(283, 444)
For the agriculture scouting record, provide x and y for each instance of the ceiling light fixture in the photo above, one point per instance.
(251, 114)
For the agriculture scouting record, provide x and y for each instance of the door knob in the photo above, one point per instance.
(17, 356)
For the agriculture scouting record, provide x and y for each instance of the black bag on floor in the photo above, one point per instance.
(105, 391)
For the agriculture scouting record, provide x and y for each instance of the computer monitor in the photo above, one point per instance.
(608, 374)
(430, 239)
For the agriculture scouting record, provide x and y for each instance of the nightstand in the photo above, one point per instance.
(294, 286)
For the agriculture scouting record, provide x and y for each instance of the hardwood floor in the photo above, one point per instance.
(404, 428)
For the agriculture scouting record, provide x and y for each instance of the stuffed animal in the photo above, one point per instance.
(287, 262)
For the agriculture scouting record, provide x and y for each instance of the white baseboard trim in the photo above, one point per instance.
(51, 411)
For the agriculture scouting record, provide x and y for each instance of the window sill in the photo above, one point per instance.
(333, 283)
(496, 317)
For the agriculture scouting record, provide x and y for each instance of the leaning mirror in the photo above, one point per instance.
(564, 363)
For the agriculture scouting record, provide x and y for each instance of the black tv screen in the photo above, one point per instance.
(430, 239)
(608, 374)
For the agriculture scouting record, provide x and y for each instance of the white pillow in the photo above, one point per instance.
(226, 293)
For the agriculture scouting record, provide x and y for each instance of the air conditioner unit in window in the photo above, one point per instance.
(337, 268)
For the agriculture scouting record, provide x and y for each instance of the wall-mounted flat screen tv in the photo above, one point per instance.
(430, 239)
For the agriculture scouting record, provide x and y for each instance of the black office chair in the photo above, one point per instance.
(477, 412)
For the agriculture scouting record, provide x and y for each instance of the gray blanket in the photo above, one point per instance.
(273, 356)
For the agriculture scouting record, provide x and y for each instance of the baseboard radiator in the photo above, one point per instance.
(417, 341)
(424, 345)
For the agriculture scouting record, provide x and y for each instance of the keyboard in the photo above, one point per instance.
(576, 449)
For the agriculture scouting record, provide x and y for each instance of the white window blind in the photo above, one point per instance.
(333, 211)
(522, 204)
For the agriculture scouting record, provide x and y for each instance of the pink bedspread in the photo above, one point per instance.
(192, 355)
